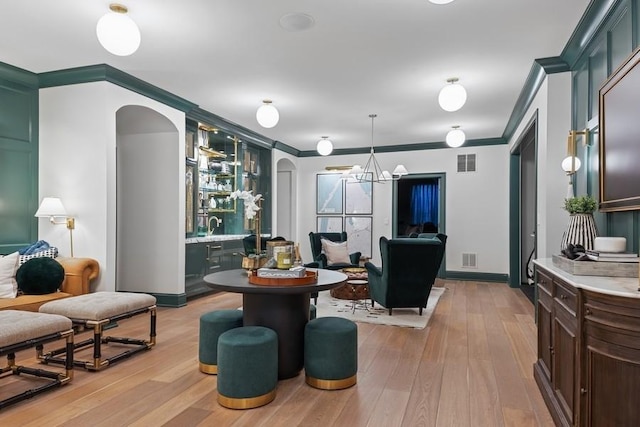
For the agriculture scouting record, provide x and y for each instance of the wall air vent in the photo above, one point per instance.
(469, 260)
(466, 163)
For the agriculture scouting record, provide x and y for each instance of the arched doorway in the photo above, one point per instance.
(147, 202)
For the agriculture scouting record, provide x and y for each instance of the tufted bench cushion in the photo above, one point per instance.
(22, 330)
(97, 310)
(19, 326)
(98, 305)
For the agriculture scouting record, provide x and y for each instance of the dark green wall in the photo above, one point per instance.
(18, 158)
(612, 44)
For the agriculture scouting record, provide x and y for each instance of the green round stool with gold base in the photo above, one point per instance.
(212, 325)
(247, 367)
(331, 353)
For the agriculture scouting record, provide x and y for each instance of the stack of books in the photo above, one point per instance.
(612, 256)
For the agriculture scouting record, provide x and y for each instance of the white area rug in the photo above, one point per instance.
(408, 317)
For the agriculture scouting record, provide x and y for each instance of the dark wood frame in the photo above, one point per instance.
(619, 132)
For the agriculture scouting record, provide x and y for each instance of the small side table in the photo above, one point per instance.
(355, 289)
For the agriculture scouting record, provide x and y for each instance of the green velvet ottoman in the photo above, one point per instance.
(212, 325)
(247, 367)
(331, 353)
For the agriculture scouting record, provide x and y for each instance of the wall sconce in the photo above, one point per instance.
(571, 164)
(52, 207)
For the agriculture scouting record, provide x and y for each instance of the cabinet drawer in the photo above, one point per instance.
(544, 281)
(566, 295)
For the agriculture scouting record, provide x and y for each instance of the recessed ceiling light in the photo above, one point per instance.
(440, 1)
(296, 22)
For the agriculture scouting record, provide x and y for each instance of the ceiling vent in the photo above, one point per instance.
(466, 162)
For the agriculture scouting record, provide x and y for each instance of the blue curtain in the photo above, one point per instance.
(424, 203)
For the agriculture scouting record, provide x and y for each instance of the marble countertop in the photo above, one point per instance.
(619, 286)
(220, 238)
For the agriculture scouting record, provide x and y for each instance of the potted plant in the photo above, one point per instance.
(582, 227)
(580, 205)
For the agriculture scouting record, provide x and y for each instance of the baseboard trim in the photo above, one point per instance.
(170, 300)
(478, 277)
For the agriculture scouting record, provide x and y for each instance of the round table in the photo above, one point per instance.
(285, 309)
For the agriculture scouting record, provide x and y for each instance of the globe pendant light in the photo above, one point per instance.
(455, 137)
(325, 146)
(453, 96)
(570, 168)
(118, 33)
(267, 115)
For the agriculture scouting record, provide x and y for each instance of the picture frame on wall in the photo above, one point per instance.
(329, 224)
(358, 196)
(329, 194)
(359, 231)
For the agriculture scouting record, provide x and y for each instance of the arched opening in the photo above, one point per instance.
(147, 202)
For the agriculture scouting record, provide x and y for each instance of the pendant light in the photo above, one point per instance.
(267, 115)
(455, 137)
(325, 146)
(372, 171)
(118, 33)
(453, 96)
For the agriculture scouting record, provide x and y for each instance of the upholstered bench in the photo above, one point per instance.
(331, 353)
(97, 310)
(212, 325)
(247, 367)
(21, 330)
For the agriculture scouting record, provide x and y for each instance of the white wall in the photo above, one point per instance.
(553, 105)
(477, 210)
(78, 164)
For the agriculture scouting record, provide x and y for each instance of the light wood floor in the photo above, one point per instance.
(471, 366)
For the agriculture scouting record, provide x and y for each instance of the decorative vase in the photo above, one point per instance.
(581, 231)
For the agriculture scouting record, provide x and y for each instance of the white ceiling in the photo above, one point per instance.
(388, 57)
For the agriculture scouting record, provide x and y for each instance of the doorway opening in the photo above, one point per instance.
(419, 207)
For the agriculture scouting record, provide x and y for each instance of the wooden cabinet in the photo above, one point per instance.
(588, 366)
(205, 257)
(555, 370)
(610, 386)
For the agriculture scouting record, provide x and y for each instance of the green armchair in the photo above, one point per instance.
(409, 269)
(321, 258)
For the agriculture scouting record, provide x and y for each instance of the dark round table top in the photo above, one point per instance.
(238, 281)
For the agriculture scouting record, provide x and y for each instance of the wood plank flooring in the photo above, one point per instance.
(471, 366)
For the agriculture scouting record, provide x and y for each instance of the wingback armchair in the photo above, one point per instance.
(409, 269)
(321, 258)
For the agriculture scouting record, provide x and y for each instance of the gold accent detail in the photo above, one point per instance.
(209, 369)
(118, 8)
(338, 168)
(212, 153)
(246, 403)
(331, 384)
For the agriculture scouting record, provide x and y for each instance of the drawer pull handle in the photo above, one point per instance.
(551, 350)
(587, 312)
(583, 391)
(563, 296)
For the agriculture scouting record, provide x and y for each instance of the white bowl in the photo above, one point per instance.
(610, 244)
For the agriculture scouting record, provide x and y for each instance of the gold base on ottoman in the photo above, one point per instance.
(246, 403)
(331, 384)
(208, 369)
